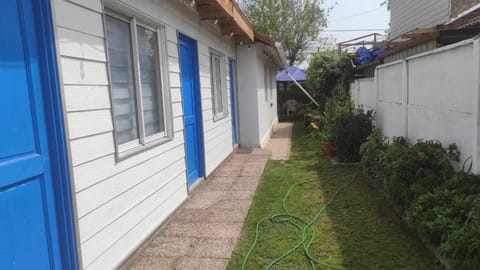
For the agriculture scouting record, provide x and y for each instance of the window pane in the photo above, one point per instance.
(150, 78)
(122, 82)
(265, 81)
(218, 86)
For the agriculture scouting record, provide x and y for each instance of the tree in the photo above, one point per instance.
(329, 75)
(294, 23)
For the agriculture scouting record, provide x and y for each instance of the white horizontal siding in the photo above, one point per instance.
(127, 244)
(91, 4)
(92, 173)
(94, 222)
(83, 72)
(406, 15)
(75, 17)
(89, 148)
(96, 246)
(86, 97)
(74, 44)
(119, 203)
(81, 124)
(93, 197)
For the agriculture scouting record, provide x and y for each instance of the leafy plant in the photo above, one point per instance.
(409, 171)
(351, 129)
(329, 76)
(449, 217)
(372, 152)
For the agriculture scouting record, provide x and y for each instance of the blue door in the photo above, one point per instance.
(233, 80)
(192, 109)
(36, 224)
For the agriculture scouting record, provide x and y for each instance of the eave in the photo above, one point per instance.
(229, 17)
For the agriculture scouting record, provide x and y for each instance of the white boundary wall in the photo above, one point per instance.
(430, 96)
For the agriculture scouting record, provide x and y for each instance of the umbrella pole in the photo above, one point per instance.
(303, 89)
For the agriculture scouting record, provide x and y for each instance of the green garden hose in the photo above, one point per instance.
(290, 218)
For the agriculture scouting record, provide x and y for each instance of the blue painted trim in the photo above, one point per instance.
(198, 104)
(56, 134)
(233, 78)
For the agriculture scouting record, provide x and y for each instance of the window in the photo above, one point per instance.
(266, 81)
(139, 91)
(219, 94)
(273, 85)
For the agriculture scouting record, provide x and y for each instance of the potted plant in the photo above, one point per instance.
(327, 139)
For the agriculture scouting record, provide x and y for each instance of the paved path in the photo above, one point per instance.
(281, 141)
(203, 232)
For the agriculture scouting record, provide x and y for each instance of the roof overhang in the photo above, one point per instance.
(229, 17)
(272, 50)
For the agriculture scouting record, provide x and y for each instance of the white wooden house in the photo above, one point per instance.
(113, 111)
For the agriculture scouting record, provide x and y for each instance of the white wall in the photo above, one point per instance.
(247, 96)
(257, 110)
(266, 98)
(431, 96)
(119, 203)
(367, 97)
(406, 15)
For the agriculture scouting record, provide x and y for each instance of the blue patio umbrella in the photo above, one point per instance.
(296, 72)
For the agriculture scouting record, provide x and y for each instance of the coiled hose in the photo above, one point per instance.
(290, 218)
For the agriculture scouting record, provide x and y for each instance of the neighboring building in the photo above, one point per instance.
(112, 111)
(420, 26)
(408, 15)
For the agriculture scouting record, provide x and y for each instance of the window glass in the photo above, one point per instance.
(122, 79)
(219, 95)
(140, 97)
(150, 81)
(266, 81)
(218, 86)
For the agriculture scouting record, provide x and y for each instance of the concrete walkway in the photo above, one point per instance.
(281, 141)
(203, 232)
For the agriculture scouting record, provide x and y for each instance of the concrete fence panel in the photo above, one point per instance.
(430, 96)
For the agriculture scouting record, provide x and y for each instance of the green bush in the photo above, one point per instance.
(449, 217)
(372, 152)
(409, 171)
(350, 130)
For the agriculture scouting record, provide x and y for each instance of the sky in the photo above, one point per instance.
(354, 14)
(348, 15)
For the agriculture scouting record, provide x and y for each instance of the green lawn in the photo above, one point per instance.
(359, 230)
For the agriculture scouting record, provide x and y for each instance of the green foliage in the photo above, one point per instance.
(294, 23)
(449, 217)
(328, 76)
(359, 231)
(372, 152)
(350, 130)
(409, 171)
(323, 75)
(443, 206)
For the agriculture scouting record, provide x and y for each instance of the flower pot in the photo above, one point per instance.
(329, 148)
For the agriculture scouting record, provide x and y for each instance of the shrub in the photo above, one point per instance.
(350, 130)
(449, 217)
(409, 171)
(372, 152)
(444, 206)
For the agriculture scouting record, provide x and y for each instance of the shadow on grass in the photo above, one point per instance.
(359, 230)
